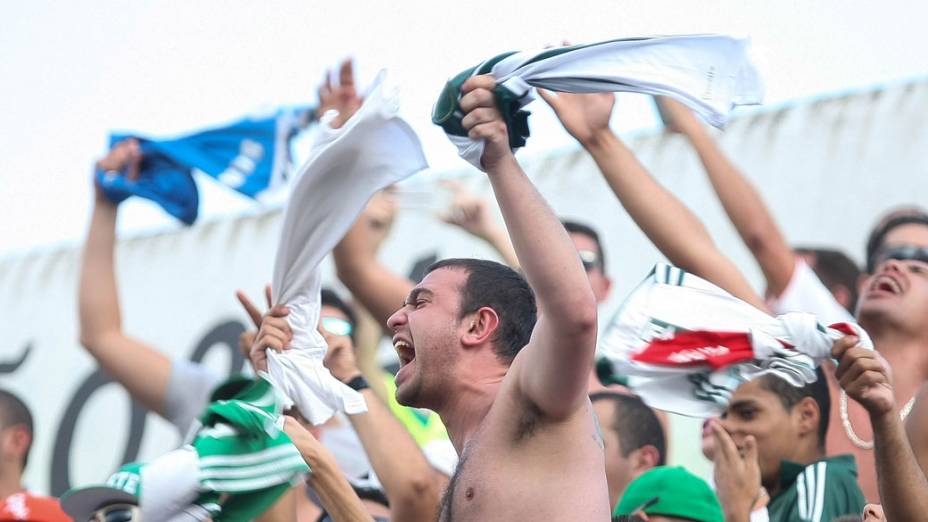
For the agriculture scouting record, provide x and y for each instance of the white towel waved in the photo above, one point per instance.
(374, 149)
(687, 344)
(709, 73)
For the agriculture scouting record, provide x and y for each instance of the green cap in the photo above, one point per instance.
(678, 493)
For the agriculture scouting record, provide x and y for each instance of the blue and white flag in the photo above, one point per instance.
(249, 155)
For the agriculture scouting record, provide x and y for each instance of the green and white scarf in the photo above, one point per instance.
(709, 73)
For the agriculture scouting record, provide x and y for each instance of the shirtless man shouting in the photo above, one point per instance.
(512, 391)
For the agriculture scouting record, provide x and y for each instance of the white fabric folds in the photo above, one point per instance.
(709, 73)
(686, 344)
(347, 166)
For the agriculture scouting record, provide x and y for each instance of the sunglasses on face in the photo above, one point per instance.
(336, 326)
(638, 515)
(589, 259)
(903, 253)
(117, 513)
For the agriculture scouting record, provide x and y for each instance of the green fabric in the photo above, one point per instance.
(241, 450)
(127, 478)
(679, 493)
(605, 372)
(447, 111)
(820, 491)
(425, 426)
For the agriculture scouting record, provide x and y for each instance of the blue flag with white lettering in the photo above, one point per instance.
(249, 155)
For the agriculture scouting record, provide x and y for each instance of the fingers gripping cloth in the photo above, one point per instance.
(687, 344)
(709, 73)
(374, 149)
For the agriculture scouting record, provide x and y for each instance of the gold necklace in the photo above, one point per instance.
(849, 430)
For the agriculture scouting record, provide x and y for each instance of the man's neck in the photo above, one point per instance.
(464, 412)
(10, 482)
(908, 358)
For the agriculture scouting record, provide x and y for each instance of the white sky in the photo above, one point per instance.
(72, 71)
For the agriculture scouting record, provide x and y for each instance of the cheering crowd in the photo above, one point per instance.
(500, 407)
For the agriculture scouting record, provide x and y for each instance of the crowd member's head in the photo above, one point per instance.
(668, 494)
(467, 317)
(15, 435)
(592, 255)
(894, 295)
(788, 422)
(336, 317)
(632, 436)
(838, 272)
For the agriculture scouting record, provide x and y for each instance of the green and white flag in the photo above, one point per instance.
(237, 465)
(709, 73)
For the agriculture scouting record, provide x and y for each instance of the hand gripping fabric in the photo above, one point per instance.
(374, 149)
(709, 73)
(687, 344)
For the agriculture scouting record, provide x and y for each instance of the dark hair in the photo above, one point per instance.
(791, 395)
(891, 220)
(835, 268)
(635, 424)
(574, 227)
(505, 291)
(330, 298)
(14, 412)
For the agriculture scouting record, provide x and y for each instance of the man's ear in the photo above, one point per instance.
(643, 459)
(16, 441)
(808, 416)
(479, 327)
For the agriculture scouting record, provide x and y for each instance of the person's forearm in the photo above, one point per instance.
(327, 480)
(545, 252)
(903, 487)
(378, 289)
(499, 240)
(747, 211)
(98, 302)
(664, 219)
(407, 477)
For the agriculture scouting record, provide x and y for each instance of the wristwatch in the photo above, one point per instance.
(358, 383)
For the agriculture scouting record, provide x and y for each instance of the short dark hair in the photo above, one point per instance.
(330, 298)
(504, 290)
(791, 395)
(14, 412)
(635, 423)
(835, 268)
(892, 219)
(574, 227)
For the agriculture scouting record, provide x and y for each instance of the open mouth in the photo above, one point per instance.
(886, 284)
(404, 350)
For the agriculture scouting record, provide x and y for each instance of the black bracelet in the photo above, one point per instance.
(358, 383)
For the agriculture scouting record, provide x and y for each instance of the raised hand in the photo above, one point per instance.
(247, 338)
(469, 212)
(864, 375)
(273, 330)
(342, 98)
(124, 158)
(584, 116)
(483, 120)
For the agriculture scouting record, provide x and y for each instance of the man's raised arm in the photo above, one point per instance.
(141, 369)
(553, 370)
(667, 222)
(742, 203)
